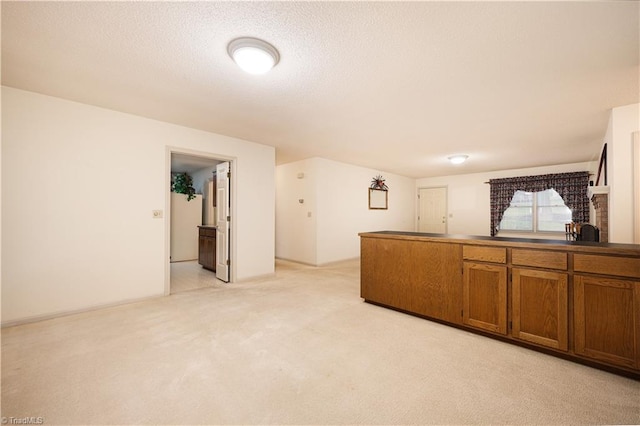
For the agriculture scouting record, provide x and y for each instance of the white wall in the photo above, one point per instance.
(624, 121)
(201, 179)
(296, 222)
(469, 195)
(343, 208)
(336, 195)
(202, 176)
(79, 184)
(636, 187)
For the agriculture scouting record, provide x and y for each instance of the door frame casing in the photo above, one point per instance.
(169, 150)
(446, 207)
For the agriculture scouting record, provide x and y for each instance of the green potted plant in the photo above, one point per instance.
(183, 184)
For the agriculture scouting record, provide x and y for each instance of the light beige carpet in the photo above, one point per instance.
(299, 348)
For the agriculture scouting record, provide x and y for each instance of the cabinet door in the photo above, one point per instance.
(211, 253)
(202, 247)
(485, 297)
(607, 319)
(207, 252)
(539, 307)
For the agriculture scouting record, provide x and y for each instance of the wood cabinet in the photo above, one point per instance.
(607, 308)
(485, 297)
(607, 319)
(539, 297)
(577, 300)
(207, 247)
(540, 307)
(422, 278)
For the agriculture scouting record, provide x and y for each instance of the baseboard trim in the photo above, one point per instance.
(333, 262)
(337, 262)
(253, 278)
(60, 314)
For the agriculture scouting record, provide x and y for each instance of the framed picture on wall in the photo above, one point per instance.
(377, 199)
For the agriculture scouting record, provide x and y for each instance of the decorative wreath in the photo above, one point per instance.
(378, 183)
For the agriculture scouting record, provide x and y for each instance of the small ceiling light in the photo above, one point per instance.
(253, 55)
(458, 159)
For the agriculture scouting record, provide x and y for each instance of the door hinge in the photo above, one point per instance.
(228, 262)
(228, 218)
(228, 174)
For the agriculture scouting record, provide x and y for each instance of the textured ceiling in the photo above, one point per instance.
(394, 86)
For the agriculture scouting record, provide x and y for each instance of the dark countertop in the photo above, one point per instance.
(633, 249)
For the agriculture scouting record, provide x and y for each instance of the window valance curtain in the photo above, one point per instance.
(572, 187)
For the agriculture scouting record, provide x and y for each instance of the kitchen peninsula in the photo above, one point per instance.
(576, 300)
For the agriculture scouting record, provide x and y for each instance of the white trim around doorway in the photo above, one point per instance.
(167, 209)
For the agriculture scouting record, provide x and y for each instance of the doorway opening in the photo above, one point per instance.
(190, 222)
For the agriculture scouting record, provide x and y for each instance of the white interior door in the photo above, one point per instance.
(223, 219)
(432, 213)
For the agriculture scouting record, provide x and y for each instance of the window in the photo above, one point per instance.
(573, 187)
(543, 211)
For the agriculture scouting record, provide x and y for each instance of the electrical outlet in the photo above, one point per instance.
(157, 214)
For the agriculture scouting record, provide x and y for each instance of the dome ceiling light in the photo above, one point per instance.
(458, 159)
(253, 55)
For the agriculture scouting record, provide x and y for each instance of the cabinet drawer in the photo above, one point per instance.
(539, 259)
(207, 232)
(485, 254)
(607, 265)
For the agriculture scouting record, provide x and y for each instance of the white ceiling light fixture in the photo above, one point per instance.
(458, 159)
(253, 55)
